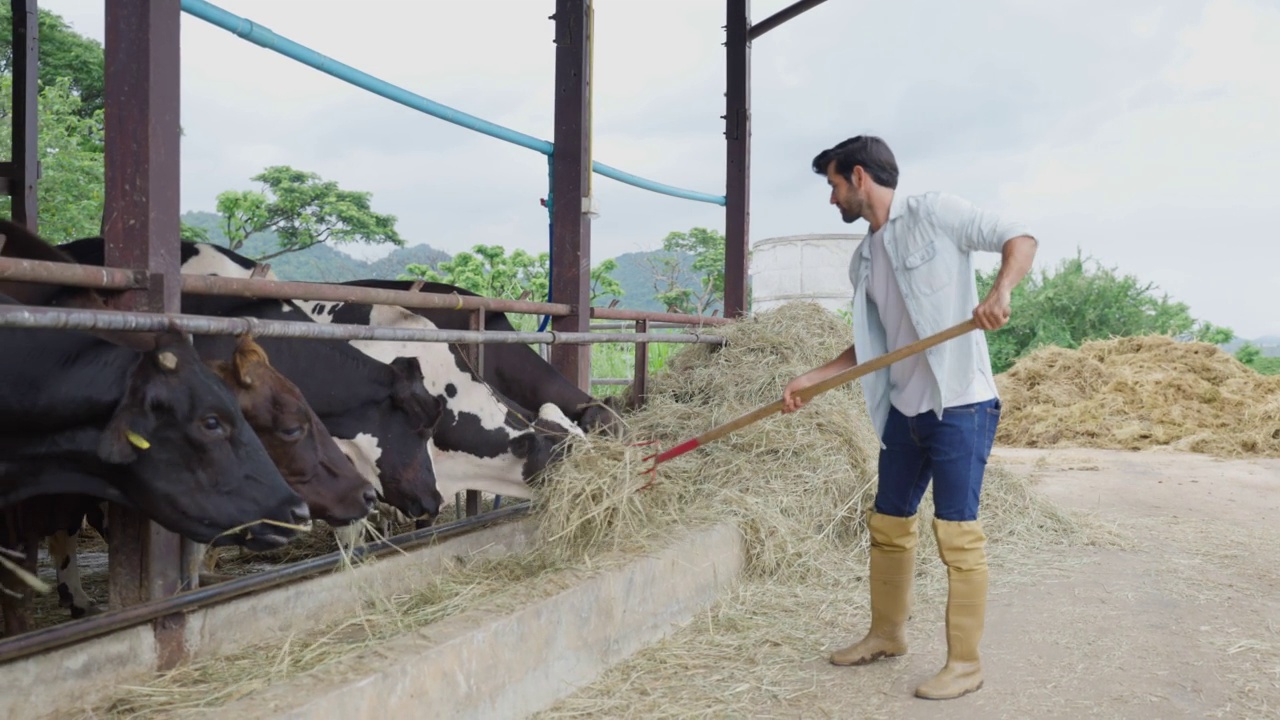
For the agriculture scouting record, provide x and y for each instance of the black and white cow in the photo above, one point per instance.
(515, 370)
(485, 441)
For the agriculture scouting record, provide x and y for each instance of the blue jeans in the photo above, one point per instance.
(952, 451)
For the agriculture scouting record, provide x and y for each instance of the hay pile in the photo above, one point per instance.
(798, 486)
(1138, 393)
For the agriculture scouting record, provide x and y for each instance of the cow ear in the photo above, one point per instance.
(128, 433)
(126, 436)
(409, 367)
(248, 353)
(523, 445)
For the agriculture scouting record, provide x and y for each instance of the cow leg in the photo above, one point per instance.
(62, 553)
(16, 595)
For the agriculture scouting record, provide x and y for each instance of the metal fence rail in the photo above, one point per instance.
(23, 316)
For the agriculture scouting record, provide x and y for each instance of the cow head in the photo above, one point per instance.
(546, 442)
(295, 438)
(192, 462)
(603, 415)
(389, 441)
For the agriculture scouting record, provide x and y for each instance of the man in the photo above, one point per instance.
(935, 412)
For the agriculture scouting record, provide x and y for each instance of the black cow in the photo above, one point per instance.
(153, 429)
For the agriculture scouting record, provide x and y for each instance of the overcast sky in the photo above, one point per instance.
(1142, 132)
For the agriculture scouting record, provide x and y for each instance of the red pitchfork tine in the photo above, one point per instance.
(808, 393)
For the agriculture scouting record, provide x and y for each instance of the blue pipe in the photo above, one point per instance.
(263, 37)
(636, 180)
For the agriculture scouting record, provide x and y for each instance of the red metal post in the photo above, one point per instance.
(141, 232)
(24, 169)
(571, 171)
(737, 133)
(640, 386)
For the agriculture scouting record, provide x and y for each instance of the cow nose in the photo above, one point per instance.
(434, 503)
(300, 514)
(370, 498)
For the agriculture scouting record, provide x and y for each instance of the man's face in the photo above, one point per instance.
(844, 194)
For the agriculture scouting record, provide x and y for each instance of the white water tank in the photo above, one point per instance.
(802, 267)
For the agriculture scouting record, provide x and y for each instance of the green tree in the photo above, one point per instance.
(303, 210)
(489, 271)
(1248, 353)
(669, 285)
(1081, 301)
(70, 191)
(603, 283)
(64, 55)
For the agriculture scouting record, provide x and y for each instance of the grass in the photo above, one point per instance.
(1266, 366)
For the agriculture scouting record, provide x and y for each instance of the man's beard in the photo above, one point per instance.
(850, 216)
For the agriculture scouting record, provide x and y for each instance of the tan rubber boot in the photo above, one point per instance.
(962, 546)
(893, 558)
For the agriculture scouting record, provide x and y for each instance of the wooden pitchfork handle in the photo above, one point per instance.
(840, 378)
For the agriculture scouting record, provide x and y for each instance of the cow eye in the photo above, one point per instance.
(212, 424)
(292, 433)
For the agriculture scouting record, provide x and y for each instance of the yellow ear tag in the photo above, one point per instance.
(137, 440)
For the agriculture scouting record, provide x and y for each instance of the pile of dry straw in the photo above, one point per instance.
(1137, 393)
(798, 485)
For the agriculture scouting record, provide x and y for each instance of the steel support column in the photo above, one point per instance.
(571, 177)
(737, 133)
(141, 231)
(23, 170)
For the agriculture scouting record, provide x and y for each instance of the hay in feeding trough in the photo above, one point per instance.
(1138, 393)
(798, 485)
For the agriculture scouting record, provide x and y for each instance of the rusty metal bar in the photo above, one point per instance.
(114, 278)
(571, 183)
(783, 15)
(737, 133)
(24, 169)
(66, 634)
(642, 365)
(293, 290)
(141, 230)
(73, 275)
(23, 316)
(631, 325)
(475, 353)
(681, 318)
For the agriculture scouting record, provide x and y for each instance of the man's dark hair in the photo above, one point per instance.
(872, 153)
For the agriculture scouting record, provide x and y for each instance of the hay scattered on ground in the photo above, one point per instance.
(798, 486)
(1139, 393)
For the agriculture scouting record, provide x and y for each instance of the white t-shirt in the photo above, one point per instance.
(911, 380)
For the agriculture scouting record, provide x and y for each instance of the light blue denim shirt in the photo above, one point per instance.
(930, 240)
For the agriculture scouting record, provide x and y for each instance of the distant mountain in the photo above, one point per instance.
(1268, 344)
(320, 263)
(635, 276)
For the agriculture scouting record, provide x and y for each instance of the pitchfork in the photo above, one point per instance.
(806, 394)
